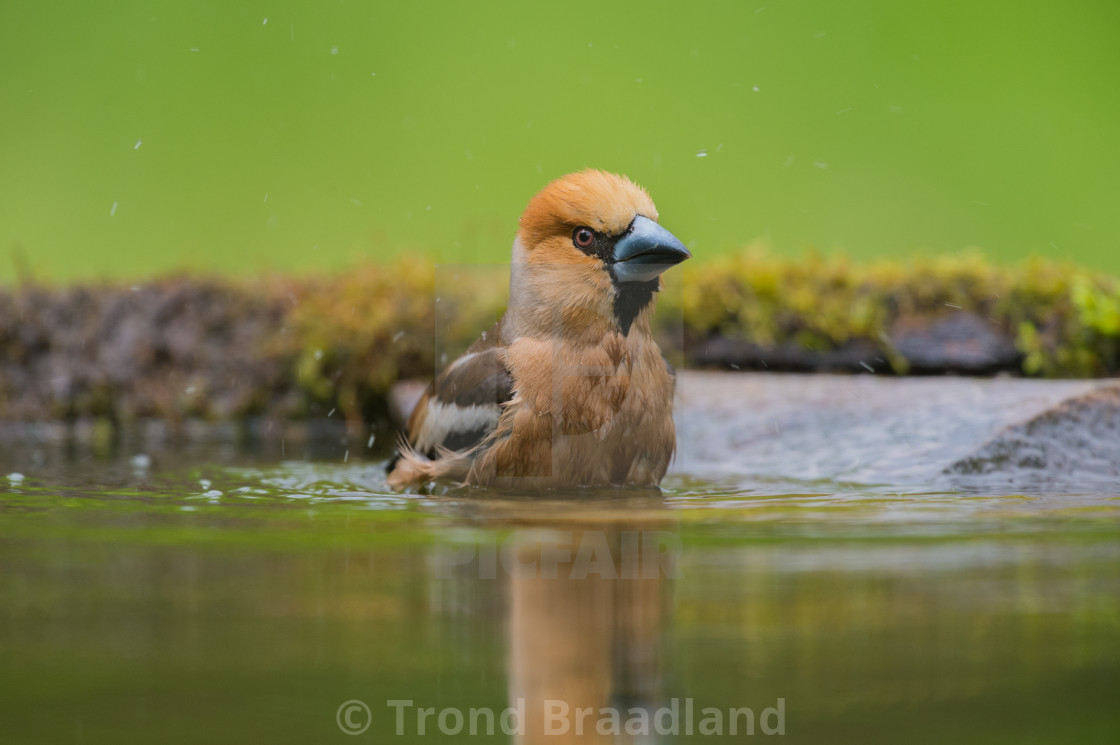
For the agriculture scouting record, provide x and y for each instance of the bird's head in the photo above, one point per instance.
(589, 244)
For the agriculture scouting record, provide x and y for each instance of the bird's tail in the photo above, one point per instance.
(411, 467)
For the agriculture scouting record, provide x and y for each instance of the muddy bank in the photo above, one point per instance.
(174, 349)
(202, 349)
(288, 349)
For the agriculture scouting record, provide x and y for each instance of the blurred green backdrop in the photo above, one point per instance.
(143, 137)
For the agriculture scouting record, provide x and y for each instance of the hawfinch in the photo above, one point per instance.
(569, 387)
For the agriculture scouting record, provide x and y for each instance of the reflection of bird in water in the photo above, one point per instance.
(569, 388)
(587, 583)
(586, 643)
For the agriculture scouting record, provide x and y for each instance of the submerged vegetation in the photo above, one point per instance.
(188, 347)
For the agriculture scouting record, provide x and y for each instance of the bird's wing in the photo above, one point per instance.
(461, 406)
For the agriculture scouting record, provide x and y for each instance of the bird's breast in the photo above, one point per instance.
(614, 385)
(583, 414)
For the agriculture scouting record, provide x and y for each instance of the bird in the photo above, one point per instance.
(569, 388)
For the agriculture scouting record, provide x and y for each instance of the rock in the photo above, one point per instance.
(1075, 444)
(727, 352)
(960, 342)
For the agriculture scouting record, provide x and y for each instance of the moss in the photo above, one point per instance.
(1065, 320)
(351, 337)
(189, 347)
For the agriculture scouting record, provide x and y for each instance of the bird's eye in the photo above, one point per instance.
(583, 237)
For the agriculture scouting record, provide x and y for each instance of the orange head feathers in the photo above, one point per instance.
(589, 240)
(602, 201)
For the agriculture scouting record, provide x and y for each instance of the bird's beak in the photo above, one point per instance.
(645, 251)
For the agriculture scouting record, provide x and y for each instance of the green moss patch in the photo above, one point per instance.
(1058, 320)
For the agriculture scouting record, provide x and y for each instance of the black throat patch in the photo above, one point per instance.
(629, 300)
(629, 297)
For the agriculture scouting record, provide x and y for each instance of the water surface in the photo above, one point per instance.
(242, 593)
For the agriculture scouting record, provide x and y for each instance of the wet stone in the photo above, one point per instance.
(955, 342)
(1074, 444)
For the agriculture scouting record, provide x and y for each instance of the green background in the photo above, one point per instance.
(376, 129)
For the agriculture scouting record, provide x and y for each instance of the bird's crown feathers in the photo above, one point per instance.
(603, 201)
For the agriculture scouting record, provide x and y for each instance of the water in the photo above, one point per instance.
(227, 592)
